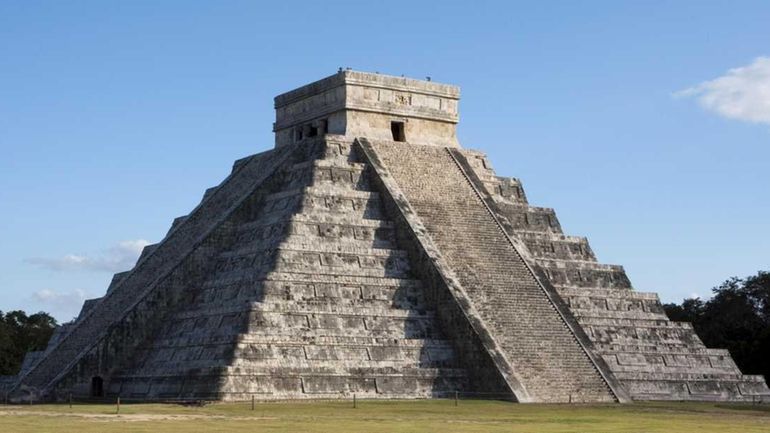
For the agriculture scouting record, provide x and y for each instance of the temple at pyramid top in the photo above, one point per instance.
(363, 104)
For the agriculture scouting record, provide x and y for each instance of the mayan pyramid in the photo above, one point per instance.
(369, 254)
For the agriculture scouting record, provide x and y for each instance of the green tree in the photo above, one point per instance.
(736, 318)
(19, 334)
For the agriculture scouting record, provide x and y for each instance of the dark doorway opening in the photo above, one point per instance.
(97, 387)
(397, 129)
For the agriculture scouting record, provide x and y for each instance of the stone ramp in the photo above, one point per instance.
(528, 333)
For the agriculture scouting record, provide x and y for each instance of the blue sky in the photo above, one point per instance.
(645, 124)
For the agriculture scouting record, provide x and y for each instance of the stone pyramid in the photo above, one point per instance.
(369, 254)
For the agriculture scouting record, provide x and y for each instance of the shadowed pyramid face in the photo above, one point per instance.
(368, 254)
(308, 296)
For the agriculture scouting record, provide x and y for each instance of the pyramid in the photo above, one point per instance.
(369, 254)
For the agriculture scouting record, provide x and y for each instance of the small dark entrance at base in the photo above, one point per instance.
(97, 386)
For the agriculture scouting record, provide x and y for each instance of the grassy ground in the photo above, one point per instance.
(435, 416)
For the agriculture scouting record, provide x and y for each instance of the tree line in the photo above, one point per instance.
(21, 333)
(736, 318)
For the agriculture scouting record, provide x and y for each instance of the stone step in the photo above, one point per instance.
(301, 244)
(665, 369)
(574, 291)
(357, 363)
(406, 330)
(323, 360)
(310, 278)
(188, 337)
(530, 218)
(633, 308)
(353, 231)
(550, 237)
(239, 386)
(292, 340)
(326, 190)
(302, 324)
(327, 171)
(549, 245)
(713, 389)
(635, 323)
(351, 297)
(651, 376)
(344, 238)
(290, 261)
(329, 163)
(629, 361)
(582, 265)
(629, 336)
(504, 189)
(315, 291)
(339, 147)
(310, 217)
(393, 266)
(302, 307)
(667, 346)
(592, 314)
(323, 198)
(660, 349)
(585, 274)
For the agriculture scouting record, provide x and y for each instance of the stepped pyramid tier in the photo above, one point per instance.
(369, 254)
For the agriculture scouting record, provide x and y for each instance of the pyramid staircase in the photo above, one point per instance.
(542, 351)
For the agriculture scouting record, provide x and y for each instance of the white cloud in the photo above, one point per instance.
(117, 258)
(48, 295)
(62, 305)
(742, 93)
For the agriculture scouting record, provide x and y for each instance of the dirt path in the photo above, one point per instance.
(131, 417)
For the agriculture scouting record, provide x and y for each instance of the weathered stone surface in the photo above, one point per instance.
(360, 104)
(651, 356)
(343, 262)
(545, 359)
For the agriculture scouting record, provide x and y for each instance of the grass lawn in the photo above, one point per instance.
(435, 416)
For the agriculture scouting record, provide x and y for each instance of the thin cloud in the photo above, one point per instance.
(63, 305)
(742, 93)
(117, 258)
